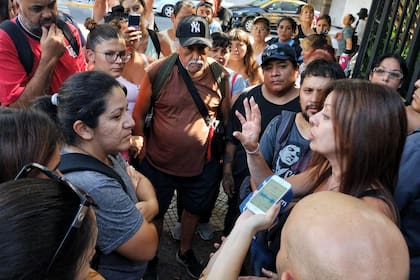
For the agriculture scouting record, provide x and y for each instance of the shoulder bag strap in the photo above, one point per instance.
(194, 93)
(155, 41)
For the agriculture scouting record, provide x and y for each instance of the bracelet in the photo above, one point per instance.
(347, 51)
(254, 151)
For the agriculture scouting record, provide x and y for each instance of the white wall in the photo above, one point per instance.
(341, 7)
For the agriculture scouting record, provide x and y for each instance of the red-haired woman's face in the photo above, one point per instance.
(322, 131)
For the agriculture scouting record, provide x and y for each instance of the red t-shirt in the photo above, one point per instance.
(13, 77)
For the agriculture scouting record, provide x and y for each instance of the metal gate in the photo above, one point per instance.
(393, 26)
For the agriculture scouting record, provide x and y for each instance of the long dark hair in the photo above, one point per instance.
(370, 127)
(26, 136)
(35, 215)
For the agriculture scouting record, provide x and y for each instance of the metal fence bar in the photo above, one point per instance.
(392, 26)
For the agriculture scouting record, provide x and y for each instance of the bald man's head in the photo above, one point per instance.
(330, 235)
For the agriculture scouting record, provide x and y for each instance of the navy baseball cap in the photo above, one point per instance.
(279, 51)
(193, 30)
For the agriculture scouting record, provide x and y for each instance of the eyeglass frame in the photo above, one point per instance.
(124, 58)
(380, 71)
(259, 29)
(85, 201)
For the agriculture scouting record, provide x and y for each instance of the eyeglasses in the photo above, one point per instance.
(394, 75)
(85, 201)
(111, 57)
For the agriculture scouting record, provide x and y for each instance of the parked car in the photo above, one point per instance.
(166, 7)
(273, 10)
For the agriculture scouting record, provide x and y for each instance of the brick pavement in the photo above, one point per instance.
(168, 267)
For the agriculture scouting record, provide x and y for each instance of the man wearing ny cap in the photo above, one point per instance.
(176, 154)
(277, 93)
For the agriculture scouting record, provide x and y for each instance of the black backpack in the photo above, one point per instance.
(72, 162)
(23, 48)
(80, 162)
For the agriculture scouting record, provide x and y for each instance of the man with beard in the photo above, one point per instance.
(177, 147)
(54, 58)
(275, 143)
(277, 93)
(284, 146)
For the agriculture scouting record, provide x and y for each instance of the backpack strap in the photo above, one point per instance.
(69, 35)
(165, 70)
(157, 84)
(155, 41)
(80, 162)
(287, 119)
(163, 75)
(219, 76)
(22, 46)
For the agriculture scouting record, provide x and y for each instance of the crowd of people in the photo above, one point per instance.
(99, 134)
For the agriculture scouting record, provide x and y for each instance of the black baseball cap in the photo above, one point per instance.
(279, 51)
(363, 13)
(193, 30)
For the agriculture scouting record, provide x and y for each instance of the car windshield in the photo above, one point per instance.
(258, 3)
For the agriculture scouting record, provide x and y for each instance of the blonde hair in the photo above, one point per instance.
(307, 7)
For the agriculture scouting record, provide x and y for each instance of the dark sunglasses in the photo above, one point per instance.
(85, 201)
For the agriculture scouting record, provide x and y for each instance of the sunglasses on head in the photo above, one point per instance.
(85, 201)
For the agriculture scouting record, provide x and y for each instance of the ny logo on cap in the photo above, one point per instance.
(195, 27)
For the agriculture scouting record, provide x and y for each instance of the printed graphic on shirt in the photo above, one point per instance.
(287, 157)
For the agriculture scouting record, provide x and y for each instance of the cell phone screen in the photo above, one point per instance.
(268, 195)
(134, 20)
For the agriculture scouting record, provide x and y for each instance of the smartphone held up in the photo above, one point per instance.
(134, 21)
(271, 191)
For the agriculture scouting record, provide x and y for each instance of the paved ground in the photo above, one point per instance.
(168, 267)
